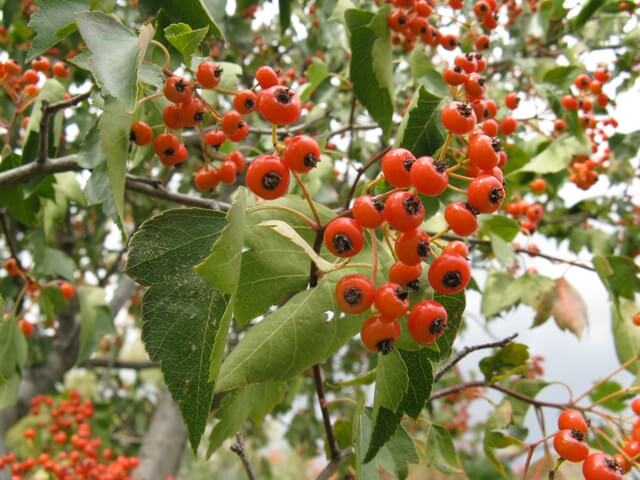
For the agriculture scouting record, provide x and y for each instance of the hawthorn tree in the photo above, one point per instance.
(287, 204)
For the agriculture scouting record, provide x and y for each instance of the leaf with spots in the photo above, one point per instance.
(180, 311)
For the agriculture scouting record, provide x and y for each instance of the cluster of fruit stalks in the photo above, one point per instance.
(62, 436)
(32, 287)
(570, 444)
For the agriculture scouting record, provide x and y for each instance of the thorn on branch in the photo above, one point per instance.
(238, 449)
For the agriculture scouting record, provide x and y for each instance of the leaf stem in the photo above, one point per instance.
(445, 147)
(309, 200)
(460, 177)
(167, 56)
(374, 253)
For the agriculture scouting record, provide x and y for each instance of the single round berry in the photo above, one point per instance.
(238, 158)
(571, 445)
(599, 466)
(344, 237)
(206, 179)
(245, 101)
(234, 127)
(427, 322)
(368, 212)
(458, 118)
(67, 290)
(27, 327)
(379, 333)
(456, 247)
(166, 146)
(461, 219)
(483, 151)
(571, 419)
(512, 100)
(412, 246)
(177, 89)
(535, 212)
(268, 177)
(228, 172)
(301, 154)
(508, 125)
(454, 75)
(449, 274)
(354, 293)
(266, 77)
(12, 267)
(570, 102)
(391, 300)
(405, 275)
(279, 105)
(396, 167)
(475, 85)
(429, 177)
(485, 194)
(191, 112)
(171, 116)
(140, 133)
(209, 74)
(215, 138)
(582, 81)
(61, 70)
(404, 211)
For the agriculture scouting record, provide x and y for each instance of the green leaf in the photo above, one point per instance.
(52, 91)
(316, 73)
(626, 336)
(502, 250)
(114, 125)
(508, 360)
(116, 68)
(619, 275)
(561, 76)
(497, 295)
(529, 388)
(9, 391)
(193, 12)
(586, 13)
(392, 382)
(494, 436)
(506, 228)
(421, 132)
(180, 311)
(53, 21)
(617, 403)
(284, 7)
(54, 262)
(557, 155)
(303, 332)
(455, 306)
(371, 68)
(440, 452)
(184, 39)
(423, 71)
(241, 404)
(13, 348)
(222, 267)
(96, 320)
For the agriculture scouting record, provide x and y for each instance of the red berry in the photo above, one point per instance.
(635, 405)
(343, 237)
(177, 89)
(43, 64)
(599, 466)
(454, 75)
(535, 212)
(30, 77)
(427, 322)
(467, 62)
(238, 158)
(396, 166)
(171, 116)
(279, 105)
(461, 219)
(571, 445)
(234, 126)
(485, 194)
(569, 102)
(412, 246)
(60, 70)
(482, 42)
(457, 248)
(379, 333)
(475, 85)
(512, 100)
(458, 117)
(191, 112)
(268, 177)
(266, 77)
(206, 179)
(404, 211)
(354, 293)
(67, 290)
(215, 138)
(405, 275)
(245, 101)
(508, 125)
(391, 300)
(582, 81)
(572, 420)
(490, 127)
(368, 212)
(601, 75)
(483, 151)
(449, 274)
(166, 146)
(429, 177)
(301, 154)
(140, 133)
(227, 172)
(12, 267)
(27, 327)
(209, 74)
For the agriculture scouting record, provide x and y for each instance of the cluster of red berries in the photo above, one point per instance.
(570, 444)
(409, 22)
(32, 287)
(18, 83)
(528, 213)
(68, 450)
(275, 102)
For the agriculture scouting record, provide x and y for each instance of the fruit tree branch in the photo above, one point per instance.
(361, 172)
(238, 449)
(119, 364)
(334, 464)
(466, 351)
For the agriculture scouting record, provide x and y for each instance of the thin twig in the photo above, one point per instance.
(361, 172)
(466, 351)
(11, 241)
(119, 364)
(180, 198)
(334, 464)
(238, 449)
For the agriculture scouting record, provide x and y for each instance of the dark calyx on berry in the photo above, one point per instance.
(198, 116)
(271, 180)
(385, 346)
(342, 243)
(249, 104)
(240, 125)
(352, 296)
(496, 195)
(577, 434)
(440, 166)
(218, 71)
(408, 162)
(471, 208)
(482, 82)
(423, 249)
(452, 279)
(412, 205)
(402, 293)
(457, 69)
(132, 136)
(437, 326)
(169, 152)
(478, 56)
(496, 145)
(310, 160)
(180, 86)
(378, 205)
(402, 20)
(465, 109)
(414, 284)
(613, 465)
(284, 95)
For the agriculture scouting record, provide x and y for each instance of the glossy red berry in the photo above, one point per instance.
(301, 154)
(571, 445)
(512, 100)
(227, 172)
(166, 146)
(449, 274)
(490, 127)
(571, 419)
(475, 85)
(41, 64)
(379, 333)
(508, 125)
(483, 151)
(635, 405)
(427, 322)
(456, 247)
(268, 177)
(412, 246)
(30, 77)
(177, 89)
(343, 237)
(279, 105)
(599, 466)
(209, 74)
(234, 127)
(368, 212)
(485, 194)
(602, 75)
(238, 158)
(206, 179)
(458, 118)
(582, 81)
(191, 112)
(461, 219)
(429, 177)
(171, 116)
(266, 77)
(354, 293)
(391, 300)
(67, 290)
(482, 42)
(12, 267)
(27, 327)
(467, 62)
(535, 212)
(454, 75)
(404, 211)
(405, 275)
(140, 133)
(396, 167)
(61, 70)
(570, 102)
(215, 138)
(245, 101)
